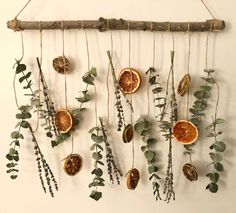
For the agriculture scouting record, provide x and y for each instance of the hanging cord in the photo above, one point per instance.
(208, 9)
(39, 82)
(22, 9)
(188, 69)
(63, 55)
(95, 89)
(18, 61)
(206, 55)
(108, 72)
(131, 100)
(153, 64)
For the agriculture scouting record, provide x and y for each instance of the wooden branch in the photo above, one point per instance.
(102, 25)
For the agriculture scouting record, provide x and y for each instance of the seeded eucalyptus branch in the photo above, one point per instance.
(218, 147)
(111, 164)
(97, 149)
(118, 93)
(88, 78)
(143, 127)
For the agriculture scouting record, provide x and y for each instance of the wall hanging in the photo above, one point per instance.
(60, 124)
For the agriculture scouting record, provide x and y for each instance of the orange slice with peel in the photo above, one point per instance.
(129, 80)
(185, 132)
(73, 164)
(63, 120)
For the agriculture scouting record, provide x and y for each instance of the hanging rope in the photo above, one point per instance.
(208, 9)
(188, 71)
(22, 9)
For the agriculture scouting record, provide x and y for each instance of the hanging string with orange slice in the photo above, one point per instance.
(63, 118)
(129, 81)
(185, 131)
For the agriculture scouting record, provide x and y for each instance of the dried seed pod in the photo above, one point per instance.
(128, 133)
(190, 172)
(184, 85)
(63, 120)
(129, 80)
(61, 64)
(133, 177)
(73, 164)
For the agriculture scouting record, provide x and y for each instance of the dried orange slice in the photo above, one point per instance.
(63, 120)
(129, 80)
(128, 133)
(61, 64)
(73, 164)
(184, 85)
(190, 172)
(133, 177)
(185, 132)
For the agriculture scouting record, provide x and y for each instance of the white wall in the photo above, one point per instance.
(25, 193)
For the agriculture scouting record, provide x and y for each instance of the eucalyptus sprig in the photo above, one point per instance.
(199, 107)
(158, 99)
(87, 78)
(97, 154)
(217, 148)
(112, 168)
(22, 116)
(143, 127)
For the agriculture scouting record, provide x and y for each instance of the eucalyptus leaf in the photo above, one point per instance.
(20, 68)
(96, 138)
(157, 90)
(219, 146)
(219, 121)
(95, 195)
(149, 155)
(219, 167)
(151, 141)
(214, 177)
(212, 187)
(200, 94)
(216, 157)
(97, 156)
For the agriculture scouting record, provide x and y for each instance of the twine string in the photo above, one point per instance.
(208, 9)
(108, 72)
(188, 71)
(206, 54)
(22, 9)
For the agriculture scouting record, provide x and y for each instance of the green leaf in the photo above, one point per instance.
(219, 146)
(99, 162)
(25, 124)
(9, 157)
(142, 125)
(88, 79)
(97, 156)
(157, 90)
(21, 79)
(93, 71)
(151, 141)
(219, 121)
(219, 167)
(96, 138)
(206, 88)
(187, 153)
(93, 184)
(195, 121)
(149, 155)
(200, 94)
(209, 70)
(152, 169)
(92, 147)
(98, 172)
(212, 187)
(16, 135)
(95, 195)
(84, 99)
(20, 68)
(76, 112)
(13, 177)
(143, 148)
(152, 80)
(94, 129)
(216, 157)
(214, 177)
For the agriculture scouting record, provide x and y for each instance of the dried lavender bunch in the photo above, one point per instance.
(49, 113)
(118, 92)
(111, 165)
(43, 167)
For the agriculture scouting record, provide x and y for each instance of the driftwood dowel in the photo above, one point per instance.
(103, 24)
